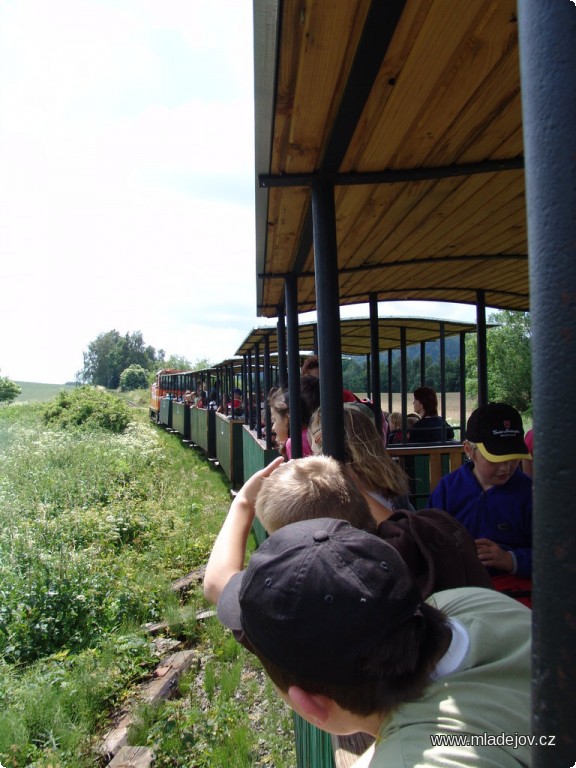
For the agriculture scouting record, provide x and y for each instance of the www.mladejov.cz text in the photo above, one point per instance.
(513, 740)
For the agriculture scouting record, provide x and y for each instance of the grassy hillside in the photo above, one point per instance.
(34, 391)
(94, 529)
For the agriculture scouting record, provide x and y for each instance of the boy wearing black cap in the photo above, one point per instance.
(489, 495)
(340, 626)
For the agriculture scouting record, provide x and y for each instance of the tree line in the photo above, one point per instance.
(114, 360)
(509, 364)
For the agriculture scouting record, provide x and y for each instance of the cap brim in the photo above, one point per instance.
(505, 457)
(228, 608)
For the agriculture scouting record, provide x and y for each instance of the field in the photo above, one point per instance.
(94, 528)
(33, 391)
(452, 405)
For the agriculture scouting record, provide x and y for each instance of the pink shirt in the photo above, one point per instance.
(306, 449)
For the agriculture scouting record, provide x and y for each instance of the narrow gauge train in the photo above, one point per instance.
(231, 434)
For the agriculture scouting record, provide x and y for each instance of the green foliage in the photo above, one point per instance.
(88, 408)
(134, 377)
(9, 390)
(176, 363)
(110, 354)
(93, 528)
(52, 708)
(354, 369)
(210, 728)
(509, 360)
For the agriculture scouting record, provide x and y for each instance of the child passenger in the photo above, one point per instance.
(340, 627)
(438, 551)
(492, 497)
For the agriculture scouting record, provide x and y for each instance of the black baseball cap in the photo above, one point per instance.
(497, 430)
(318, 596)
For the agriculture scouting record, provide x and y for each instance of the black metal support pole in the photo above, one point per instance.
(256, 420)
(443, 379)
(404, 383)
(267, 384)
(375, 355)
(548, 71)
(482, 349)
(282, 368)
(291, 294)
(247, 389)
(390, 380)
(327, 302)
(231, 385)
(462, 362)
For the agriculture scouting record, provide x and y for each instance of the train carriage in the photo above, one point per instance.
(397, 156)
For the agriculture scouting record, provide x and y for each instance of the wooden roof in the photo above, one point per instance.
(412, 108)
(355, 334)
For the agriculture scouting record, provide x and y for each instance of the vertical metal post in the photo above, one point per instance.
(247, 389)
(375, 355)
(462, 363)
(328, 310)
(390, 380)
(267, 386)
(291, 295)
(548, 71)
(481, 346)
(403, 383)
(256, 421)
(282, 369)
(443, 379)
(230, 377)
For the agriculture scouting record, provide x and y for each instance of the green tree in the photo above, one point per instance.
(9, 390)
(176, 363)
(111, 353)
(508, 348)
(134, 377)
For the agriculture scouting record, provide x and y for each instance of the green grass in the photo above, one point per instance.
(94, 527)
(33, 391)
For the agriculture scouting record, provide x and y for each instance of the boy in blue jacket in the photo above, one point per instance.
(490, 495)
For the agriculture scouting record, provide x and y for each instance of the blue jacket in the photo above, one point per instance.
(502, 514)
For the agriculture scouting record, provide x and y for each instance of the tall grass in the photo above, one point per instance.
(94, 526)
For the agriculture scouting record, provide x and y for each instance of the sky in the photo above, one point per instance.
(127, 181)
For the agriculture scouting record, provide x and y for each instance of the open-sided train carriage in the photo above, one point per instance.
(398, 151)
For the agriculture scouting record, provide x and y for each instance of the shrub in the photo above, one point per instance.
(90, 408)
(9, 390)
(134, 377)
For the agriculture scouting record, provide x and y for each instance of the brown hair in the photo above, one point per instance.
(429, 399)
(400, 667)
(310, 364)
(279, 399)
(366, 455)
(304, 489)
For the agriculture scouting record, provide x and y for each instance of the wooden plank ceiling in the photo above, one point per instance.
(355, 334)
(424, 95)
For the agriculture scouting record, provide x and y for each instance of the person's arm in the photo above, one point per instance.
(517, 560)
(229, 550)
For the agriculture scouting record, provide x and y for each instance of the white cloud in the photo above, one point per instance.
(127, 180)
(126, 184)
